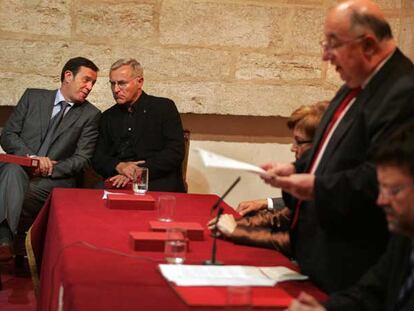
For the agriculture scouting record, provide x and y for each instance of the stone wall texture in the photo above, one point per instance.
(240, 57)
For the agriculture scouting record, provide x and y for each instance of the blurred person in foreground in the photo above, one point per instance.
(269, 226)
(389, 285)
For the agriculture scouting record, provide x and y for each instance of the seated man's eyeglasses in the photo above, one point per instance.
(122, 84)
(391, 192)
(333, 43)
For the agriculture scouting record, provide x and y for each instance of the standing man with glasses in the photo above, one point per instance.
(139, 130)
(60, 129)
(389, 285)
(337, 232)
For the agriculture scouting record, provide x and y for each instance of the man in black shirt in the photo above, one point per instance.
(140, 130)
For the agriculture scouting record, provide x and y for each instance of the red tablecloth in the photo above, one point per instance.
(86, 263)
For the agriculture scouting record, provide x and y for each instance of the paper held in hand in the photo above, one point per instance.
(211, 159)
(201, 275)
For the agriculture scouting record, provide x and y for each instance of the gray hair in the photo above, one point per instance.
(137, 69)
(379, 26)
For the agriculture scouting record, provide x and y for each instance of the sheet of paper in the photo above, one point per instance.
(105, 194)
(197, 275)
(281, 274)
(211, 159)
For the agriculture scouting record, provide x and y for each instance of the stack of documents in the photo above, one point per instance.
(198, 275)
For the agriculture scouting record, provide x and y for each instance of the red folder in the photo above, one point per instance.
(108, 185)
(20, 160)
(205, 296)
(149, 241)
(194, 230)
(131, 201)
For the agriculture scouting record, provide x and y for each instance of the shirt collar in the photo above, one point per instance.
(59, 98)
(377, 69)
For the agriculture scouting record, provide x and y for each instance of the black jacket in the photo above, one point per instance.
(342, 233)
(380, 286)
(158, 139)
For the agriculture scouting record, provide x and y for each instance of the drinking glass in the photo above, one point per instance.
(140, 183)
(166, 207)
(239, 297)
(175, 245)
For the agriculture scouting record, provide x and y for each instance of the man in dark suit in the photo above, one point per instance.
(60, 129)
(140, 130)
(389, 285)
(337, 232)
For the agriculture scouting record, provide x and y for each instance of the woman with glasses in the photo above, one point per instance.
(266, 222)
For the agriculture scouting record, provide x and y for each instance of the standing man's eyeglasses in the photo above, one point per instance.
(333, 43)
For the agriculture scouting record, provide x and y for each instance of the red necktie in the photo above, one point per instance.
(335, 118)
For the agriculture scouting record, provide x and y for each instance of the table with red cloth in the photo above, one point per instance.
(86, 262)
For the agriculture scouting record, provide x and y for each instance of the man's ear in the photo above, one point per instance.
(370, 45)
(68, 76)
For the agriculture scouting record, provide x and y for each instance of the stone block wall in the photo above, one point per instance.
(239, 57)
(228, 57)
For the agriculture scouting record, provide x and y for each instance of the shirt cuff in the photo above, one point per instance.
(270, 204)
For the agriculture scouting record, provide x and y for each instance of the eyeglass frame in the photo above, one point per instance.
(392, 192)
(121, 84)
(301, 142)
(326, 46)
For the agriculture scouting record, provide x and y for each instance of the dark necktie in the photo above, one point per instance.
(408, 286)
(335, 118)
(53, 125)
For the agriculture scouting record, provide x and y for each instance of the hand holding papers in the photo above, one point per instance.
(195, 275)
(211, 159)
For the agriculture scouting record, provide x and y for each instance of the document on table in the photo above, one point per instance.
(211, 159)
(200, 275)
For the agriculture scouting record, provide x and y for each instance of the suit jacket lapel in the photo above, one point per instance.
(46, 108)
(71, 117)
(348, 119)
(325, 121)
(340, 131)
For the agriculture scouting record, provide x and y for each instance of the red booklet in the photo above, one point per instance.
(149, 241)
(108, 185)
(194, 230)
(204, 296)
(20, 160)
(131, 201)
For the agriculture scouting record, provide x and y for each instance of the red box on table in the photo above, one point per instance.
(194, 230)
(150, 241)
(131, 201)
(20, 160)
(108, 185)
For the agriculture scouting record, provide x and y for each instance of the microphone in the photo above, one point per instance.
(220, 199)
(216, 205)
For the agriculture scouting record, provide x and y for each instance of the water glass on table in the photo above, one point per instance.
(175, 245)
(140, 183)
(239, 298)
(166, 207)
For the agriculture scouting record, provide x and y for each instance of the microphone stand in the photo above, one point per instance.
(220, 210)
